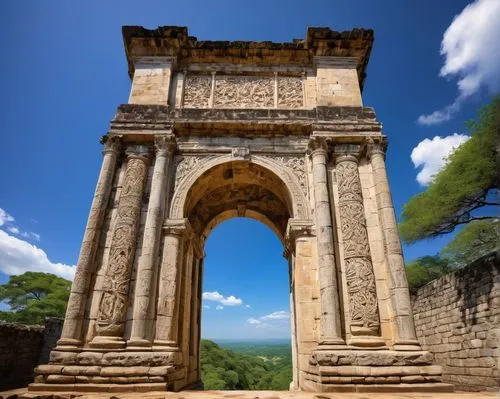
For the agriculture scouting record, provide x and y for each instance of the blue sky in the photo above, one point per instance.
(64, 72)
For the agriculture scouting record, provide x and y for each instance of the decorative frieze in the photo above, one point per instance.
(244, 92)
(360, 279)
(236, 91)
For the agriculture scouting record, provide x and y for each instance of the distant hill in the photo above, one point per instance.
(246, 365)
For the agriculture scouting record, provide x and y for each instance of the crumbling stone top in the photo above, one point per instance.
(174, 41)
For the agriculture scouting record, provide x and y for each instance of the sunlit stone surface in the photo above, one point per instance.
(215, 130)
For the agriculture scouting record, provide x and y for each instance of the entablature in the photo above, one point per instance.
(350, 122)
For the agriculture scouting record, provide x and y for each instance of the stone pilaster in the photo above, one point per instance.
(364, 320)
(331, 333)
(147, 268)
(72, 329)
(297, 230)
(114, 301)
(169, 284)
(405, 336)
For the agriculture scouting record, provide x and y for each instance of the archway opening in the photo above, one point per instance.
(245, 325)
(235, 261)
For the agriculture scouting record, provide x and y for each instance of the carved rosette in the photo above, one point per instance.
(363, 305)
(113, 306)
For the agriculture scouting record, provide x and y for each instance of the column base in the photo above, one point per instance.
(165, 345)
(409, 345)
(104, 342)
(138, 342)
(331, 344)
(69, 342)
(368, 341)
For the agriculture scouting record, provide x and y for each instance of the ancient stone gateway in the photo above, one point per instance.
(214, 130)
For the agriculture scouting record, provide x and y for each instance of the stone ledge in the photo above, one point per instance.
(137, 118)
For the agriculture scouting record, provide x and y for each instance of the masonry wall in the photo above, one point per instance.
(457, 318)
(22, 348)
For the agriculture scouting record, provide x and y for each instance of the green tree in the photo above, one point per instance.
(425, 269)
(466, 183)
(476, 239)
(32, 296)
(227, 369)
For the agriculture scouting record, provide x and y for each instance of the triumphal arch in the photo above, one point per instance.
(214, 130)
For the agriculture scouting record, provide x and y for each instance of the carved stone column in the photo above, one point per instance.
(405, 336)
(72, 329)
(331, 333)
(169, 283)
(114, 301)
(146, 270)
(361, 290)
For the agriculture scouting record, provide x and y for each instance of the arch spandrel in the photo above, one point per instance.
(294, 192)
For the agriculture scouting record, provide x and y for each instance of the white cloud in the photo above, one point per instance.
(277, 315)
(469, 47)
(206, 307)
(217, 297)
(248, 306)
(252, 320)
(18, 256)
(219, 307)
(432, 155)
(13, 229)
(30, 234)
(5, 217)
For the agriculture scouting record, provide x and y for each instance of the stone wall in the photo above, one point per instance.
(457, 318)
(22, 348)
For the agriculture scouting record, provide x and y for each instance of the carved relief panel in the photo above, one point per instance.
(197, 91)
(244, 92)
(235, 91)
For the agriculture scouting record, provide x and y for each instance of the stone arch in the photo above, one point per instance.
(296, 195)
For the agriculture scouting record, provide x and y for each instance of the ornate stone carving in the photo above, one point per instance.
(290, 92)
(113, 306)
(295, 163)
(363, 305)
(197, 91)
(244, 92)
(363, 308)
(184, 165)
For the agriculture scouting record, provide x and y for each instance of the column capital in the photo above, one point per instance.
(178, 227)
(165, 144)
(346, 153)
(112, 144)
(297, 228)
(376, 147)
(317, 145)
(138, 151)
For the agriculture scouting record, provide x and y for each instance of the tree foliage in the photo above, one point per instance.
(425, 269)
(466, 183)
(475, 240)
(224, 369)
(32, 296)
